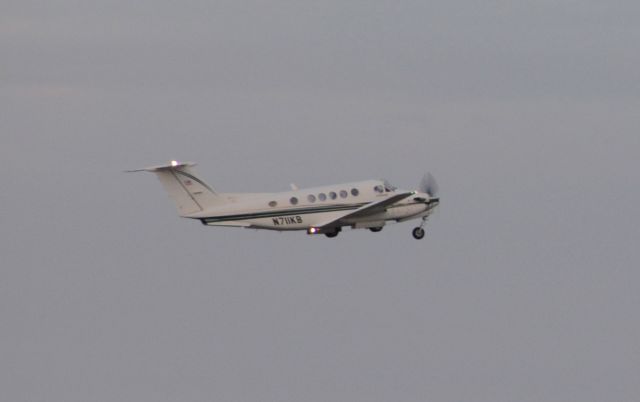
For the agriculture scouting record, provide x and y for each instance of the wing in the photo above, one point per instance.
(368, 209)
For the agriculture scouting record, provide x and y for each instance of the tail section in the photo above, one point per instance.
(189, 193)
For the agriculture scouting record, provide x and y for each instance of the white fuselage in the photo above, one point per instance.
(305, 208)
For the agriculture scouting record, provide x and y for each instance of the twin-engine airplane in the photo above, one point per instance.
(320, 210)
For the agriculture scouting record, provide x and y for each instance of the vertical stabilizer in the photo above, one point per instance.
(189, 193)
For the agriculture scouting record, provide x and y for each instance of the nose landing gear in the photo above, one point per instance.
(418, 232)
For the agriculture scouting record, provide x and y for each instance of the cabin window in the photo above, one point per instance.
(378, 189)
(333, 195)
(311, 198)
(272, 203)
(343, 193)
(355, 192)
(322, 196)
(293, 200)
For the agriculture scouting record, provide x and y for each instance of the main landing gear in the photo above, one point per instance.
(334, 233)
(418, 233)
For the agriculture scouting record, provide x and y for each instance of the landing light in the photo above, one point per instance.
(313, 230)
(174, 163)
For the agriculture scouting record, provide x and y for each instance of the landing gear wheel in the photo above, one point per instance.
(334, 233)
(418, 233)
(375, 230)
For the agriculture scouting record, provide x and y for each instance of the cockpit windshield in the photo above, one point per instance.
(388, 187)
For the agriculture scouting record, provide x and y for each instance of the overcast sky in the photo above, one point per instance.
(524, 289)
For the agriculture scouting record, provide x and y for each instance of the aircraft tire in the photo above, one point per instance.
(418, 233)
(333, 234)
(375, 230)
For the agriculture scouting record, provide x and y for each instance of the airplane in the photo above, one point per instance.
(324, 210)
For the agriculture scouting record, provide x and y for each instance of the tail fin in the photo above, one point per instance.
(189, 193)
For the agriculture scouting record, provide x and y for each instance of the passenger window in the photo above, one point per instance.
(378, 189)
(293, 200)
(343, 193)
(311, 198)
(322, 196)
(272, 203)
(355, 192)
(333, 195)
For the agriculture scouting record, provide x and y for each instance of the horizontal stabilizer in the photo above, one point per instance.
(172, 165)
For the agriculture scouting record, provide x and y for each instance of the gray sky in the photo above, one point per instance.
(525, 288)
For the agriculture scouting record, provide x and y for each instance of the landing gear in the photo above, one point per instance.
(375, 230)
(334, 233)
(418, 233)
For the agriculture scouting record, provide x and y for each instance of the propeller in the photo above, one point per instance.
(428, 185)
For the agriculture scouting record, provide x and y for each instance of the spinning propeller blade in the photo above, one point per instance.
(428, 185)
